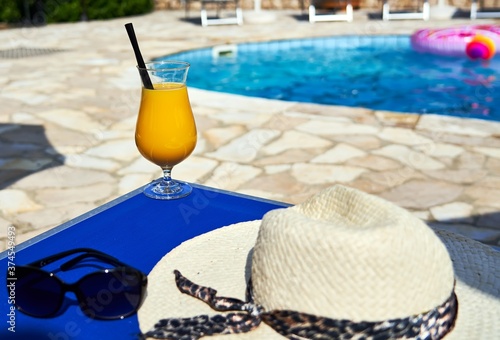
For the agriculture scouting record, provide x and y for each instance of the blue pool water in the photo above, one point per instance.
(376, 72)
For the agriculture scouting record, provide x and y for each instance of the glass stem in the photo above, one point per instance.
(167, 171)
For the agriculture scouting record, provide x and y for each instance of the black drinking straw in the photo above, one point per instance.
(140, 62)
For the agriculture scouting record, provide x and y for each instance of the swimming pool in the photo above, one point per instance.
(376, 72)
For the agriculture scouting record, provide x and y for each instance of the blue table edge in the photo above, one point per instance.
(115, 202)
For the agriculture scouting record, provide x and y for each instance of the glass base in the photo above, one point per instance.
(167, 190)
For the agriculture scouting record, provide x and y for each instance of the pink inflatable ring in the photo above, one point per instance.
(452, 41)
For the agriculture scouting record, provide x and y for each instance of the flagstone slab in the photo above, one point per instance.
(205, 123)
(462, 140)
(21, 96)
(139, 165)
(62, 177)
(282, 185)
(322, 174)
(493, 165)
(484, 196)
(279, 182)
(233, 102)
(66, 139)
(230, 176)
(374, 162)
(424, 215)
(246, 147)
(130, 182)
(470, 160)
(409, 157)
(295, 140)
(339, 154)
(71, 119)
(461, 176)
(394, 177)
(120, 150)
(127, 79)
(309, 116)
(26, 164)
(275, 169)
(16, 201)
(220, 136)
(194, 168)
(492, 152)
(125, 124)
(25, 118)
(64, 196)
(61, 94)
(355, 114)
(492, 182)
(43, 220)
(403, 136)
(285, 121)
(364, 142)
(423, 194)
(455, 211)
(97, 61)
(90, 162)
(113, 134)
(249, 119)
(201, 146)
(329, 128)
(290, 156)
(4, 228)
(389, 118)
(459, 126)
(368, 186)
(440, 150)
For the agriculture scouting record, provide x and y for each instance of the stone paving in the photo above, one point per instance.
(67, 126)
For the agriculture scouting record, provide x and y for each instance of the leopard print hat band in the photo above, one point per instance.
(432, 325)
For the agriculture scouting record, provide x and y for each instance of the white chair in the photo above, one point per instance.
(219, 19)
(476, 14)
(314, 16)
(388, 15)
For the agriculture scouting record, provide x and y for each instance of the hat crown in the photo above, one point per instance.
(344, 254)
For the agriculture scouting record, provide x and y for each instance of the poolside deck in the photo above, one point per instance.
(67, 130)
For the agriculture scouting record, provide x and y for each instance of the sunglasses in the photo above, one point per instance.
(107, 294)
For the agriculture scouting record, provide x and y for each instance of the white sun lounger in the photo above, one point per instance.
(476, 13)
(220, 5)
(388, 15)
(314, 16)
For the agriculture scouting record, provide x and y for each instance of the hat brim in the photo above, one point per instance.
(221, 259)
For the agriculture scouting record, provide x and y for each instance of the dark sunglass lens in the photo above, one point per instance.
(112, 294)
(37, 292)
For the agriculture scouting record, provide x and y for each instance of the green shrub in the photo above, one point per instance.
(62, 10)
(137, 7)
(51, 11)
(105, 9)
(10, 11)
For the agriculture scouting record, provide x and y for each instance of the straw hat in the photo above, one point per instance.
(345, 261)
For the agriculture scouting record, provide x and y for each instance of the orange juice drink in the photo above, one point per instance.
(166, 131)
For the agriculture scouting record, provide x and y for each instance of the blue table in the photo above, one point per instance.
(137, 230)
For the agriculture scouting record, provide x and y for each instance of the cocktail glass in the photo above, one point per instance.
(165, 132)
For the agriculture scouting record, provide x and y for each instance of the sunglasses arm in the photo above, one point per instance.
(106, 258)
(88, 253)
